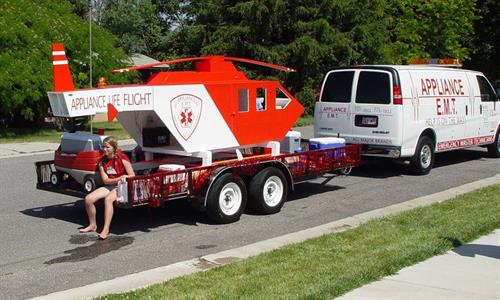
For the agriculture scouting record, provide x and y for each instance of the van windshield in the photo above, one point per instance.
(338, 87)
(373, 87)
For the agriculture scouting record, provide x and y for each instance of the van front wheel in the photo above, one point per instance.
(494, 149)
(423, 159)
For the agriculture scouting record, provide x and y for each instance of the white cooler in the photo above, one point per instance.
(291, 142)
(172, 167)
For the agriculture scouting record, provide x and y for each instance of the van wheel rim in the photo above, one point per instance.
(273, 191)
(230, 199)
(425, 156)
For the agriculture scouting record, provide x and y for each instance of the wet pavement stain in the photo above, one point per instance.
(78, 239)
(99, 247)
(205, 246)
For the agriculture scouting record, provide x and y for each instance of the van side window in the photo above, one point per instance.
(373, 87)
(487, 92)
(338, 87)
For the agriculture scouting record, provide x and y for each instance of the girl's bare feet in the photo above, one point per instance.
(103, 235)
(90, 228)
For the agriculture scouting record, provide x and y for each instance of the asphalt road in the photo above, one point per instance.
(41, 251)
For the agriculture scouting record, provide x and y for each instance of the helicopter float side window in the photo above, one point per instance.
(243, 100)
(261, 103)
(282, 99)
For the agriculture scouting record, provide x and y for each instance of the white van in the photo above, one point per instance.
(409, 112)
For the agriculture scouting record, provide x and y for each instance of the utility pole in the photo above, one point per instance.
(90, 51)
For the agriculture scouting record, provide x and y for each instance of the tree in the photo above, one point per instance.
(430, 28)
(486, 42)
(137, 24)
(28, 29)
(311, 36)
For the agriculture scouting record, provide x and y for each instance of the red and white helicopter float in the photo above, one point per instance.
(218, 131)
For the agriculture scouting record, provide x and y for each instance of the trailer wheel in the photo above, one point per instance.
(88, 184)
(494, 149)
(226, 199)
(55, 178)
(423, 159)
(268, 191)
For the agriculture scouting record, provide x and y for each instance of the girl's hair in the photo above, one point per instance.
(111, 140)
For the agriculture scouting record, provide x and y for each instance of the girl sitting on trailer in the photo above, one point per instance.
(113, 168)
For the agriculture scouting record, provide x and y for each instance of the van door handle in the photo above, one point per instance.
(466, 110)
(481, 109)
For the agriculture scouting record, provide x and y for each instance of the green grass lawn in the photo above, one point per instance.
(13, 135)
(331, 265)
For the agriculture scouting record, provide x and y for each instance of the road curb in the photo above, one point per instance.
(165, 273)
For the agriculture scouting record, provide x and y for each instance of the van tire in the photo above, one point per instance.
(226, 199)
(494, 149)
(423, 159)
(268, 191)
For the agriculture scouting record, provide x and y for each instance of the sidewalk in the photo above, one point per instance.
(471, 271)
(27, 149)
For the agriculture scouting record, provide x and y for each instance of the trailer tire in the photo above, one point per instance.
(89, 184)
(226, 199)
(423, 159)
(268, 191)
(55, 178)
(494, 149)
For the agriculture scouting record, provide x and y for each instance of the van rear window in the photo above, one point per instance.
(338, 87)
(373, 87)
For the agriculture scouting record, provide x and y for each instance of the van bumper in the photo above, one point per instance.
(381, 151)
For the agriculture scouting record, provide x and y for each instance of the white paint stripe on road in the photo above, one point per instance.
(161, 274)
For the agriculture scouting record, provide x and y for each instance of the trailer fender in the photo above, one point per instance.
(215, 174)
(283, 168)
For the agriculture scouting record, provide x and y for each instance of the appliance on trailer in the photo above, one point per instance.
(210, 135)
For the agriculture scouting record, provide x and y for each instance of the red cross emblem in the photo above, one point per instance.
(186, 112)
(186, 118)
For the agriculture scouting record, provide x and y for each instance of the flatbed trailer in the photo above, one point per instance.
(223, 188)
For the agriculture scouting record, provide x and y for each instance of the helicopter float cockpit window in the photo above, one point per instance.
(282, 99)
(261, 103)
(243, 100)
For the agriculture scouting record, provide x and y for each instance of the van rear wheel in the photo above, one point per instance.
(494, 149)
(423, 159)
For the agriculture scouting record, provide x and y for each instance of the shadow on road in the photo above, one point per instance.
(385, 168)
(306, 189)
(124, 220)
